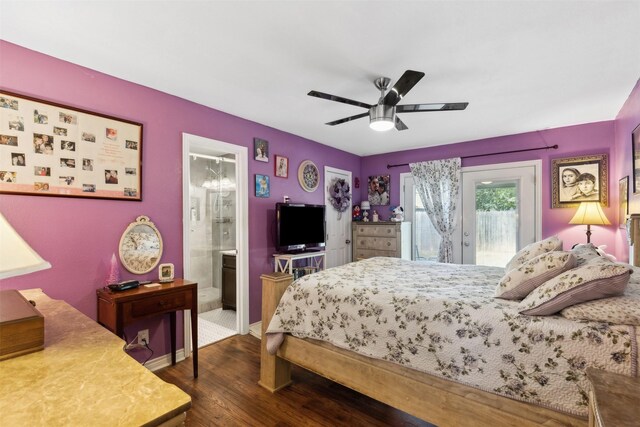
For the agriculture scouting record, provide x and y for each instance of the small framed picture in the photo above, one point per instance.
(262, 186)
(623, 201)
(165, 272)
(281, 166)
(261, 150)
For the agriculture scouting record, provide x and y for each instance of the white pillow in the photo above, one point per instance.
(593, 280)
(520, 281)
(534, 249)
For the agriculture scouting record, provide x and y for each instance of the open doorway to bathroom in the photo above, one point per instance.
(214, 204)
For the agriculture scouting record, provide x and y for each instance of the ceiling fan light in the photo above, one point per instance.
(382, 117)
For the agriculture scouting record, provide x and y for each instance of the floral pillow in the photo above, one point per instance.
(585, 283)
(534, 249)
(520, 281)
(622, 310)
(585, 252)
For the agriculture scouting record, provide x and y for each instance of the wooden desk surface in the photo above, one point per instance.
(616, 398)
(82, 377)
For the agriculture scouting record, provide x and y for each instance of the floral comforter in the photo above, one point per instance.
(443, 319)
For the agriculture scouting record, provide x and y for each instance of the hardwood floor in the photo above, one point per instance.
(227, 393)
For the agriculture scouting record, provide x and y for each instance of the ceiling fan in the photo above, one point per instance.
(382, 116)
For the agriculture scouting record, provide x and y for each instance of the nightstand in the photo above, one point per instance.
(613, 399)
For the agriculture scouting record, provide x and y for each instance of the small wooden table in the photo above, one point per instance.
(613, 400)
(119, 309)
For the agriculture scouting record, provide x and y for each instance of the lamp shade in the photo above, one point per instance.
(590, 213)
(365, 206)
(16, 256)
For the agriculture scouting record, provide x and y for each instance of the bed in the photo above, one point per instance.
(463, 357)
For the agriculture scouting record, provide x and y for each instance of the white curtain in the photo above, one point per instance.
(438, 184)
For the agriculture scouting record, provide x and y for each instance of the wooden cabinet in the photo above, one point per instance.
(371, 239)
(119, 309)
(228, 282)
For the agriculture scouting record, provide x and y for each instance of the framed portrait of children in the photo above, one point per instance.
(50, 149)
(579, 179)
(281, 166)
(378, 190)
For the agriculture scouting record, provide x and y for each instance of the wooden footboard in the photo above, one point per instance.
(427, 397)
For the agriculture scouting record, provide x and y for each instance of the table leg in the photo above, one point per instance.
(194, 340)
(172, 321)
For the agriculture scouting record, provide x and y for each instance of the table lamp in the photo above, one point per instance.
(589, 213)
(21, 325)
(364, 207)
(16, 256)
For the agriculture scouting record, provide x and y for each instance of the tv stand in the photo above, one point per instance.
(284, 262)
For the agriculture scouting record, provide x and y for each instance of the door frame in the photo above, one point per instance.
(457, 235)
(208, 146)
(331, 169)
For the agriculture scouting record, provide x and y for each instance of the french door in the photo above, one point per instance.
(498, 214)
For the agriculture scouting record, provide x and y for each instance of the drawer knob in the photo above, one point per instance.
(388, 230)
(388, 243)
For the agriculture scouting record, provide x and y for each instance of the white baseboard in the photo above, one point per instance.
(164, 361)
(255, 329)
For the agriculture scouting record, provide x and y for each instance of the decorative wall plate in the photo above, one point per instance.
(308, 176)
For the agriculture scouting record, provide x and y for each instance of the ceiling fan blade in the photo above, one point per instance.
(402, 86)
(400, 124)
(348, 119)
(416, 108)
(338, 99)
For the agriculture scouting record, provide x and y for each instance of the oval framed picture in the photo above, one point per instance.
(308, 176)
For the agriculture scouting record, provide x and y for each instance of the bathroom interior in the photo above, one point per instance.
(212, 240)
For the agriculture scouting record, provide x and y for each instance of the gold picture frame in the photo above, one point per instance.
(592, 170)
(50, 149)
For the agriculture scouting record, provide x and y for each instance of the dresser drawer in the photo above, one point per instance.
(377, 243)
(375, 230)
(156, 305)
(370, 253)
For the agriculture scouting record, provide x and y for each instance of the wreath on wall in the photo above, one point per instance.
(340, 195)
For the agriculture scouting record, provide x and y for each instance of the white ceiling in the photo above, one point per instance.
(522, 65)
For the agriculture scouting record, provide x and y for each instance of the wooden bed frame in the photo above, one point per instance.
(425, 396)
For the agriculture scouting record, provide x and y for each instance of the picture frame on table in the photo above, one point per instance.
(51, 149)
(579, 179)
(623, 197)
(281, 166)
(166, 272)
(635, 158)
(261, 150)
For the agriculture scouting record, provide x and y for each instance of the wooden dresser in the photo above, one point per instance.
(390, 239)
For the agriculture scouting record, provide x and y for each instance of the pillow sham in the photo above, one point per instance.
(534, 249)
(622, 310)
(520, 281)
(585, 252)
(587, 282)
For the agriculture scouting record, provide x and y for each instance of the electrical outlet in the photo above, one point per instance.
(143, 337)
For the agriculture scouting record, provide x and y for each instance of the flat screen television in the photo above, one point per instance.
(299, 227)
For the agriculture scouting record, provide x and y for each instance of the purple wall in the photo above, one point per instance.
(78, 236)
(627, 120)
(592, 138)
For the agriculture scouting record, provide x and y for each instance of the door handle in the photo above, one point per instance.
(347, 241)
(467, 244)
